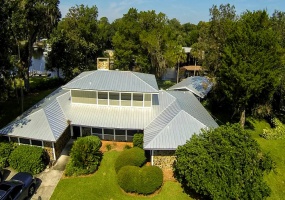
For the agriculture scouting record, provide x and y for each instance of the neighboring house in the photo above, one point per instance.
(113, 105)
(198, 85)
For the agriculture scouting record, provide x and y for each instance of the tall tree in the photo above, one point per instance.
(32, 19)
(250, 63)
(75, 42)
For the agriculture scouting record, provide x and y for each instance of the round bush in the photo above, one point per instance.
(151, 178)
(28, 159)
(145, 180)
(128, 178)
(134, 157)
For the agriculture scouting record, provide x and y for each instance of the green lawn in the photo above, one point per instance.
(276, 178)
(103, 185)
(11, 109)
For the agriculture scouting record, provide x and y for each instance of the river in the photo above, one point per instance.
(38, 65)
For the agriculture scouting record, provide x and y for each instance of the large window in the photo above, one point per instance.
(147, 100)
(126, 99)
(37, 143)
(24, 141)
(80, 96)
(114, 98)
(103, 98)
(137, 99)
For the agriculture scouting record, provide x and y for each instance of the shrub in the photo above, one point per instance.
(151, 178)
(134, 157)
(138, 140)
(128, 178)
(108, 147)
(28, 159)
(127, 147)
(219, 163)
(85, 156)
(5, 150)
(145, 180)
(278, 132)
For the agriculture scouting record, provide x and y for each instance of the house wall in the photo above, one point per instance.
(62, 141)
(48, 148)
(163, 158)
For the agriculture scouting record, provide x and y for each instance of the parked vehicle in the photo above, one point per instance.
(21, 186)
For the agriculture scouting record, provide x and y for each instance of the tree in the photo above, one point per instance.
(223, 163)
(250, 63)
(77, 38)
(85, 156)
(32, 19)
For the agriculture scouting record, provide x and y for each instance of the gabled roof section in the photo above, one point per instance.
(183, 117)
(112, 80)
(176, 132)
(199, 85)
(44, 121)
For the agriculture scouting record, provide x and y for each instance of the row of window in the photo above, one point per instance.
(111, 98)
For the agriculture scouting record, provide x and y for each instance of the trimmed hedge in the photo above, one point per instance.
(5, 150)
(145, 180)
(134, 157)
(30, 159)
(85, 156)
(138, 140)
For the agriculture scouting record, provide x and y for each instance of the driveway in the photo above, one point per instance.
(48, 179)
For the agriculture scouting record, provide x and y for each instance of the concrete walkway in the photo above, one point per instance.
(48, 179)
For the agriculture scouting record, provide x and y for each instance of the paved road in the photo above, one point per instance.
(48, 179)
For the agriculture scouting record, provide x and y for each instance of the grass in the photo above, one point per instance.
(276, 178)
(11, 109)
(103, 185)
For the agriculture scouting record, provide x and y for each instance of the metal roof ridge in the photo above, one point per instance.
(195, 118)
(92, 72)
(144, 81)
(49, 124)
(194, 91)
(61, 106)
(161, 112)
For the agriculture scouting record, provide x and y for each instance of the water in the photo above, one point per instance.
(38, 65)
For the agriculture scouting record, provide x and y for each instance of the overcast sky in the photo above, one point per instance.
(183, 10)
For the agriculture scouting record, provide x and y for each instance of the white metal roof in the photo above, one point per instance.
(199, 85)
(112, 80)
(173, 118)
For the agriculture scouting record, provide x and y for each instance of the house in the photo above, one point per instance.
(113, 105)
(200, 86)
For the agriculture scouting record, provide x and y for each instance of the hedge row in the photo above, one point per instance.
(133, 157)
(5, 150)
(28, 159)
(145, 180)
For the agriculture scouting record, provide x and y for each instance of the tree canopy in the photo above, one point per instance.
(223, 163)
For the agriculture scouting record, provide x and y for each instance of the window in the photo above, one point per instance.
(103, 98)
(108, 132)
(97, 130)
(147, 100)
(114, 98)
(79, 96)
(24, 141)
(36, 143)
(138, 100)
(126, 99)
(120, 132)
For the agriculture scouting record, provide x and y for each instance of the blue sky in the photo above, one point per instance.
(183, 10)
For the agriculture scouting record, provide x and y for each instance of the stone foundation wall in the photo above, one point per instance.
(62, 141)
(164, 158)
(48, 149)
